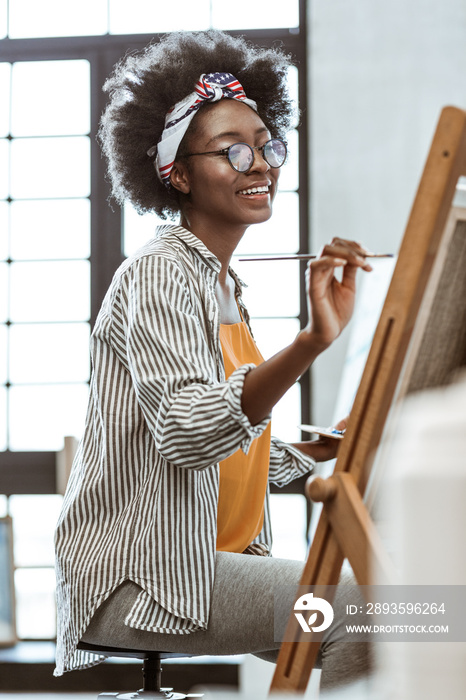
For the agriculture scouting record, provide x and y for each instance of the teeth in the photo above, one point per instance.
(255, 190)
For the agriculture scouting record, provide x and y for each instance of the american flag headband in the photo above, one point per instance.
(210, 87)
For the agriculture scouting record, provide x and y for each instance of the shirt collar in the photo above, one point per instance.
(191, 241)
(194, 242)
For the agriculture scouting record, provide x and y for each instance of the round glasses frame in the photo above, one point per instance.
(266, 152)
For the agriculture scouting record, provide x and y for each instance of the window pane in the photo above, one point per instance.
(247, 15)
(288, 515)
(50, 229)
(138, 229)
(5, 69)
(273, 287)
(286, 416)
(3, 18)
(41, 416)
(4, 270)
(29, 18)
(50, 291)
(3, 354)
(3, 506)
(47, 167)
(280, 234)
(4, 168)
(4, 225)
(140, 16)
(35, 603)
(289, 174)
(59, 91)
(60, 353)
(34, 521)
(3, 418)
(273, 334)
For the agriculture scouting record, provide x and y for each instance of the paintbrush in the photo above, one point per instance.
(305, 256)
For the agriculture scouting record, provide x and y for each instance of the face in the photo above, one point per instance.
(217, 194)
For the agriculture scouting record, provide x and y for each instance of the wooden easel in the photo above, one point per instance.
(399, 362)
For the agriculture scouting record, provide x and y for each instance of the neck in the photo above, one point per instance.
(222, 246)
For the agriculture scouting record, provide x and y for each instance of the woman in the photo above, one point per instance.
(152, 539)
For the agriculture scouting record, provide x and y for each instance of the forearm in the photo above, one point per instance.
(266, 384)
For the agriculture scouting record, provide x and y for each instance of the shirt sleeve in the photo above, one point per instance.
(287, 463)
(195, 419)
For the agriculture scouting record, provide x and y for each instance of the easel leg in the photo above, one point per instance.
(353, 528)
(345, 530)
(297, 659)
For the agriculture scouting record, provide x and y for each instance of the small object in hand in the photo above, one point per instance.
(325, 432)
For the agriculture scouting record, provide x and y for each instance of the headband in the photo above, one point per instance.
(211, 87)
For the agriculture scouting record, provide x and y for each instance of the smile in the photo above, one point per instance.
(255, 190)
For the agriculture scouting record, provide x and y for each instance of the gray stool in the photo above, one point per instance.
(151, 672)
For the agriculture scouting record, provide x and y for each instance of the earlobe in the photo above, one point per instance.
(179, 178)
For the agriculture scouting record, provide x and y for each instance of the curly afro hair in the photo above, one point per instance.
(146, 84)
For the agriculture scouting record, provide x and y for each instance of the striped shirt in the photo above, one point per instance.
(141, 502)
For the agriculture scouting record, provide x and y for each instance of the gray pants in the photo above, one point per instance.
(241, 619)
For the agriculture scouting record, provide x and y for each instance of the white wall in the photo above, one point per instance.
(380, 72)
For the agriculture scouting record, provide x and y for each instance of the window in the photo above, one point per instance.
(60, 242)
(45, 267)
(53, 18)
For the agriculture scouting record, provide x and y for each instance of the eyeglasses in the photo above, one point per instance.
(241, 155)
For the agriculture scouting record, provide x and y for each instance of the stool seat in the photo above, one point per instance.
(108, 650)
(151, 670)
